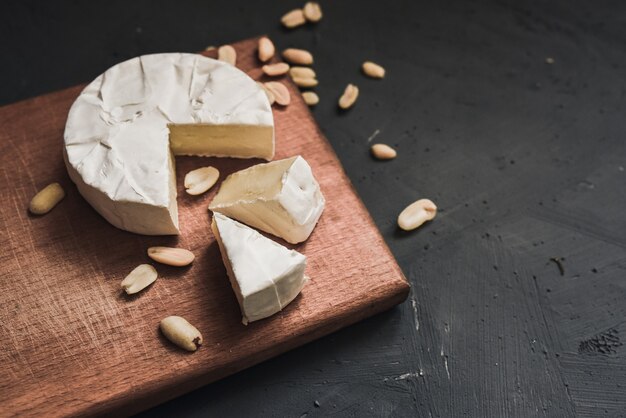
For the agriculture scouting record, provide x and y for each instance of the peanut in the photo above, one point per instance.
(177, 257)
(349, 96)
(200, 180)
(269, 94)
(302, 72)
(293, 19)
(310, 98)
(179, 331)
(227, 54)
(312, 11)
(383, 152)
(373, 70)
(46, 199)
(266, 49)
(280, 92)
(305, 82)
(416, 214)
(298, 56)
(277, 69)
(141, 277)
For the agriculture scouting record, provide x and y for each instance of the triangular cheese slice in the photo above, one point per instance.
(265, 276)
(281, 197)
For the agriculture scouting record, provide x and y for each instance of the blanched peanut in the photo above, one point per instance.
(312, 11)
(277, 69)
(227, 54)
(298, 56)
(293, 19)
(177, 257)
(179, 331)
(138, 279)
(373, 70)
(200, 180)
(310, 98)
(279, 91)
(416, 214)
(383, 152)
(349, 96)
(46, 199)
(266, 49)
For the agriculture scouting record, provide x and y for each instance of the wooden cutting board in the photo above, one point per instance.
(73, 343)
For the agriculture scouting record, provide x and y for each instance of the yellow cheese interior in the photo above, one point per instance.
(262, 181)
(240, 141)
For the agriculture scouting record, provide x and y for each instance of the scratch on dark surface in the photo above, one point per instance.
(373, 135)
(414, 308)
(605, 342)
(503, 307)
(580, 224)
(584, 338)
(445, 362)
(408, 375)
(559, 263)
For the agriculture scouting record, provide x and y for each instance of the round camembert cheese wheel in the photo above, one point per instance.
(126, 125)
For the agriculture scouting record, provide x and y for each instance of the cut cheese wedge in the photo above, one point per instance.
(264, 275)
(281, 197)
(125, 126)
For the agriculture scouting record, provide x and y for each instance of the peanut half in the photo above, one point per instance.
(269, 94)
(310, 98)
(179, 331)
(416, 214)
(277, 69)
(305, 82)
(302, 72)
(279, 91)
(200, 180)
(46, 199)
(349, 96)
(373, 70)
(141, 277)
(298, 56)
(177, 257)
(312, 11)
(383, 152)
(266, 49)
(293, 19)
(227, 54)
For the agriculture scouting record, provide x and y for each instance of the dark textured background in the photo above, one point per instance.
(524, 158)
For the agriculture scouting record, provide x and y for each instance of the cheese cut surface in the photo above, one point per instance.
(281, 197)
(265, 276)
(124, 127)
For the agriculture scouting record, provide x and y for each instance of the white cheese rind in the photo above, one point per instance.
(281, 197)
(265, 276)
(117, 145)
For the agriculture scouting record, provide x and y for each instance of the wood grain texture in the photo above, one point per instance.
(73, 343)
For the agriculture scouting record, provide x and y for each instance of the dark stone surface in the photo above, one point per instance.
(525, 159)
